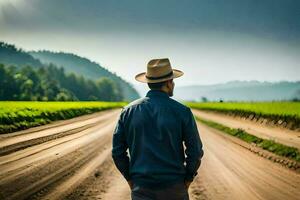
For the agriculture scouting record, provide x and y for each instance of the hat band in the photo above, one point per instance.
(160, 77)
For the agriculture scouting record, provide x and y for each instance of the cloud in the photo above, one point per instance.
(269, 18)
(211, 40)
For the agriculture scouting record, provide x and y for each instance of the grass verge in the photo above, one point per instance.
(269, 145)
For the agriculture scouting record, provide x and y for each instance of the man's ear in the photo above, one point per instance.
(169, 83)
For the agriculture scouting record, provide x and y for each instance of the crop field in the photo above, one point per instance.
(21, 115)
(281, 113)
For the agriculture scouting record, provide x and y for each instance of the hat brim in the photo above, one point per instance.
(142, 77)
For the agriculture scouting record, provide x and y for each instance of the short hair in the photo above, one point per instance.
(156, 86)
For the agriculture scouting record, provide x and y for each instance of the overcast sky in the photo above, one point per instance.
(212, 41)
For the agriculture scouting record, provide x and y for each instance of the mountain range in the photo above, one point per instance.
(235, 91)
(83, 66)
(241, 91)
(230, 91)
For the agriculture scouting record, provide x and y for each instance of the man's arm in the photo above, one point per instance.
(193, 146)
(119, 149)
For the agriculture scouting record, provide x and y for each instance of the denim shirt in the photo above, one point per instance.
(154, 129)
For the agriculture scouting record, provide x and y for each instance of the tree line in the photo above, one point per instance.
(51, 83)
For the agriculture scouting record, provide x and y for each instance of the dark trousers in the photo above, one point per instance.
(174, 192)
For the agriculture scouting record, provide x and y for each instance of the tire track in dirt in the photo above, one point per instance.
(56, 163)
(107, 183)
(40, 152)
(19, 141)
(63, 189)
(79, 166)
(229, 171)
(20, 162)
(52, 173)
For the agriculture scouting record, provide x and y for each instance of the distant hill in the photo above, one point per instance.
(240, 91)
(25, 78)
(85, 67)
(10, 55)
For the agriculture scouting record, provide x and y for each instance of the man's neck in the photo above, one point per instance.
(162, 90)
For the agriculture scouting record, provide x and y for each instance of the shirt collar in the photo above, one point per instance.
(157, 93)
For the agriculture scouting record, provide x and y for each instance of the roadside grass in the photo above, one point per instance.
(19, 115)
(285, 114)
(269, 145)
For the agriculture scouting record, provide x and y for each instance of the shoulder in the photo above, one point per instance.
(179, 106)
(129, 108)
(134, 103)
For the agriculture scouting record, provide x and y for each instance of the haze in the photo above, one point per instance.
(211, 41)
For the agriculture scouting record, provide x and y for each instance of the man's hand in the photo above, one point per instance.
(130, 183)
(187, 184)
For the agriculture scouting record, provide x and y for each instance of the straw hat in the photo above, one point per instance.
(158, 70)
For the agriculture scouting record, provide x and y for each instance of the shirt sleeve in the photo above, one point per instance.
(193, 144)
(119, 149)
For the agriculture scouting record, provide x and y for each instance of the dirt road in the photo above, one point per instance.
(281, 135)
(71, 160)
(230, 171)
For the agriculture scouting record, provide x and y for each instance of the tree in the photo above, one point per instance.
(52, 84)
(204, 99)
(107, 89)
(65, 95)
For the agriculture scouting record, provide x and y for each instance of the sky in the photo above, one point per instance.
(211, 41)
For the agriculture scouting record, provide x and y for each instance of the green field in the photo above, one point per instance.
(287, 113)
(22, 115)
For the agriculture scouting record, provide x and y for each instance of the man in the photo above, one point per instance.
(154, 129)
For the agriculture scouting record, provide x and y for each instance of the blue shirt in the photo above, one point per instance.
(154, 129)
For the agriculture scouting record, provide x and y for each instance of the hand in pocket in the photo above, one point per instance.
(187, 184)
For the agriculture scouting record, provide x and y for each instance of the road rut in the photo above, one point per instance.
(78, 165)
